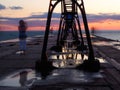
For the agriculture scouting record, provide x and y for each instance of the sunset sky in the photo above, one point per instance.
(101, 14)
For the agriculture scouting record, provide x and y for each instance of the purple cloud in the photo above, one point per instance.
(2, 7)
(40, 19)
(44, 15)
(16, 7)
(90, 17)
(102, 16)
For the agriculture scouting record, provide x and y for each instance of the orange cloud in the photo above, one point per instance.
(5, 27)
(36, 28)
(106, 25)
(101, 25)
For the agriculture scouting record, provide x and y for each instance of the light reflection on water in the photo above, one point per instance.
(18, 78)
(115, 44)
(29, 77)
(63, 63)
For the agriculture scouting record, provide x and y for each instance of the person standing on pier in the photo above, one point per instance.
(22, 36)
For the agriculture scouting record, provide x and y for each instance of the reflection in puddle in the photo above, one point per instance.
(74, 88)
(18, 78)
(28, 77)
(23, 78)
(115, 44)
(71, 63)
(101, 43)
(102, 60)
(64, 63)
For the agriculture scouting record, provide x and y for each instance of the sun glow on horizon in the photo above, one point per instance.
(35, 14)
(103, 25)
(106, 25)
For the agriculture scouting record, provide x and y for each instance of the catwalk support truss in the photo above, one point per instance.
(69, 23)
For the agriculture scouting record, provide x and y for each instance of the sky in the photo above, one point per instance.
(101, 14)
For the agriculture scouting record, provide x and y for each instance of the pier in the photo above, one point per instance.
(68, 60)
(12, 64)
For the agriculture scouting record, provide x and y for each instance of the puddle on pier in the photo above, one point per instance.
(28, 77)
(115, 44)
(70, 63)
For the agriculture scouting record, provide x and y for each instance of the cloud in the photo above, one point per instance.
(39, 19)
(2, 7)
(12, 7)
(44, 15)
(90, 17)
(16, 7)
(56, 17)
(102, 16)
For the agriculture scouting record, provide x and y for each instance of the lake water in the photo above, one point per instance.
(114, 35)
(8, 35)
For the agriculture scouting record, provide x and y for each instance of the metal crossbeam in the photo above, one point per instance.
(69, 21)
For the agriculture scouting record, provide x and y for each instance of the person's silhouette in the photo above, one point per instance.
(23, 78)
(22, 35)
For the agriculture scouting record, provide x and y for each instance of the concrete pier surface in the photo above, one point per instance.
(13, 65)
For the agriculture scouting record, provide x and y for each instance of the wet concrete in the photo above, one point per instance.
(14, 74)
(28, 77)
